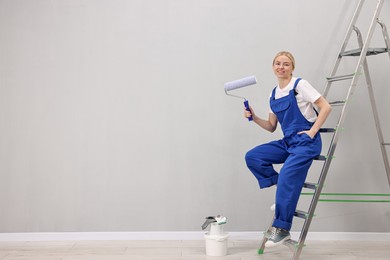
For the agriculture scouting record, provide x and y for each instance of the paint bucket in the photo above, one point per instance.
(216, 241)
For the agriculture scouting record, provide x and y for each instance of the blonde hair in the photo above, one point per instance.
(288, 55)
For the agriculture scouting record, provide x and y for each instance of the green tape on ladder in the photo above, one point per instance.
(351, 195)
(335, 200)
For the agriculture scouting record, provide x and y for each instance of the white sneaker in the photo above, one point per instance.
(277, 237)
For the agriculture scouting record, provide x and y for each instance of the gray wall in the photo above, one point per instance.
(113, 115)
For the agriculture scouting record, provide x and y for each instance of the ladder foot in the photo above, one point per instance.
(260, 251)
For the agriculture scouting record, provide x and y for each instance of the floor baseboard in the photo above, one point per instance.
(61, 236)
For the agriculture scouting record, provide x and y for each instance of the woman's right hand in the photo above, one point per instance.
(250, 113)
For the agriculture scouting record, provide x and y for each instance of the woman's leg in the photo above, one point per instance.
(260, 162)
(291, 179)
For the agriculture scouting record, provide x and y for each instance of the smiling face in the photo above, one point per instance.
(283, 66)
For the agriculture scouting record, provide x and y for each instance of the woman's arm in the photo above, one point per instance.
(269, 125)
(325, 110)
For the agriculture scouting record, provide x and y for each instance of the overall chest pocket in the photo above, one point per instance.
(278, 107)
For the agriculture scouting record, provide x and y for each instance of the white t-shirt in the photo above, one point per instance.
(306, 96)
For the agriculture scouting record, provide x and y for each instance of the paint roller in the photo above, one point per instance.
(240, 83)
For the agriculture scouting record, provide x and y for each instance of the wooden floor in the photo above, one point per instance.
(185, 250)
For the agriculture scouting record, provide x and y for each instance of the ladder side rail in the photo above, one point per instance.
(317, 192)
(374, 108)
(335, 138)
(363, 63)
(326, 166)
(344, 44)
(341, 121)
(377, 122)
(265, 237)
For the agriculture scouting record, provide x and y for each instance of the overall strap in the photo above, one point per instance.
(273, 93)
(296, 83)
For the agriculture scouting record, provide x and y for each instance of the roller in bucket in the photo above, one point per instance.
(240, 83)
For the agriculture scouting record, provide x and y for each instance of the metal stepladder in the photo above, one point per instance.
(362, 67)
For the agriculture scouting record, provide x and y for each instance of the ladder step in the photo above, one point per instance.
(309, 185)
(327, 130)
(341, 77)
(301, 214)
(370, 51)
(292, 244)
(337, 103)
(320, 158)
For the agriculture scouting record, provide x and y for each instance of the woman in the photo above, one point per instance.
(291, 104)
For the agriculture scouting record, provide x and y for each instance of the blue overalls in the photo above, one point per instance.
(296, 151)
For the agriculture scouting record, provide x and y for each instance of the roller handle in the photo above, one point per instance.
(246, 104)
